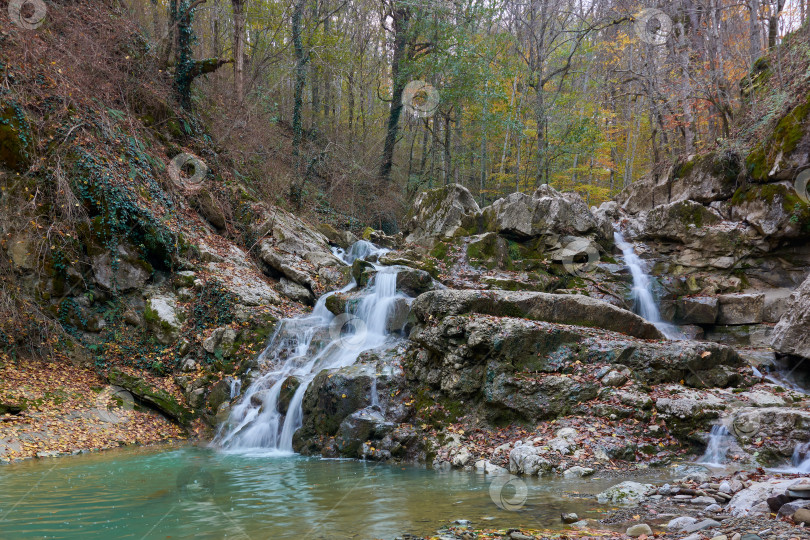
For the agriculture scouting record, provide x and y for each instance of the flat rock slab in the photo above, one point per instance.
(573, 309)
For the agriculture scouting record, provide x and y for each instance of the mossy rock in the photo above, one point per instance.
(336, 303)
(362, 272)
(16, 137)
(154, 397)
(785, 138)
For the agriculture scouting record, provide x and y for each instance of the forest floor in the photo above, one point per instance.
(55, 408)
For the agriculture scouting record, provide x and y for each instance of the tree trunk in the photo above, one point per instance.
(300, 77)
(239, 49)
(400, 23)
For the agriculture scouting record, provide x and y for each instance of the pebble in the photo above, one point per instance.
(463, 522)
(569, 518)
(520, 536)
(713, 508)
(750, 537)
(692, 537)
(725, 487)
(680, 523)
(700, 525)
(703, 500)
(736, 536)
(720, 537)
(802, 515)
(637, 530)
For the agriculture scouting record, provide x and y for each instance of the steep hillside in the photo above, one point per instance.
(130, 247)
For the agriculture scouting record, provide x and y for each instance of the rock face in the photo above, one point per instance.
(565, 309)
(792, 334)
(123, 273)
(438, 213)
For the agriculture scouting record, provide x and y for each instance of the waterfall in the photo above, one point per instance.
(719, 443)
(271, 410)
(645, 304)
(799, 461)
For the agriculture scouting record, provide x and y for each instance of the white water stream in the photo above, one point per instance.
(720, 440)
(303, 347)
(645, 304)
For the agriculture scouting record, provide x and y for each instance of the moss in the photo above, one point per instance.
(682, 170)
(775, 194)
(784, 139)
(439, 251)
(16, 138)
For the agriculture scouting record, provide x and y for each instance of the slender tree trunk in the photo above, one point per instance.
(300, 78)
(239, 49)
(400, 22)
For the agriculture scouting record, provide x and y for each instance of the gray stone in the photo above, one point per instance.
(221, 338)
(558, 308)
(701, 525)
(740, 308)
(526, 460)
(680, 524)
(792, 334)
(438, 214)
(638, 530)
(578, 472)
(163, 317)
(295, 292)
(697, 310)
(627, 492)
(124, 272)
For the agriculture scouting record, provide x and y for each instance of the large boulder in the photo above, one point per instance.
(526, 459)
(704, 179)
(364, 425)
(679, 221)
(792, 334)
(570, 309)
(696, 310)
(740, 308)
(774, 210)
(438, 213)
(546, 212)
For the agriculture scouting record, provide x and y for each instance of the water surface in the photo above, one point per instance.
(194, 492)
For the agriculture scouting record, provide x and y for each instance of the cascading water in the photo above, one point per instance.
(267, 416)
(642, 291)
(718, 446)
(799, 462)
